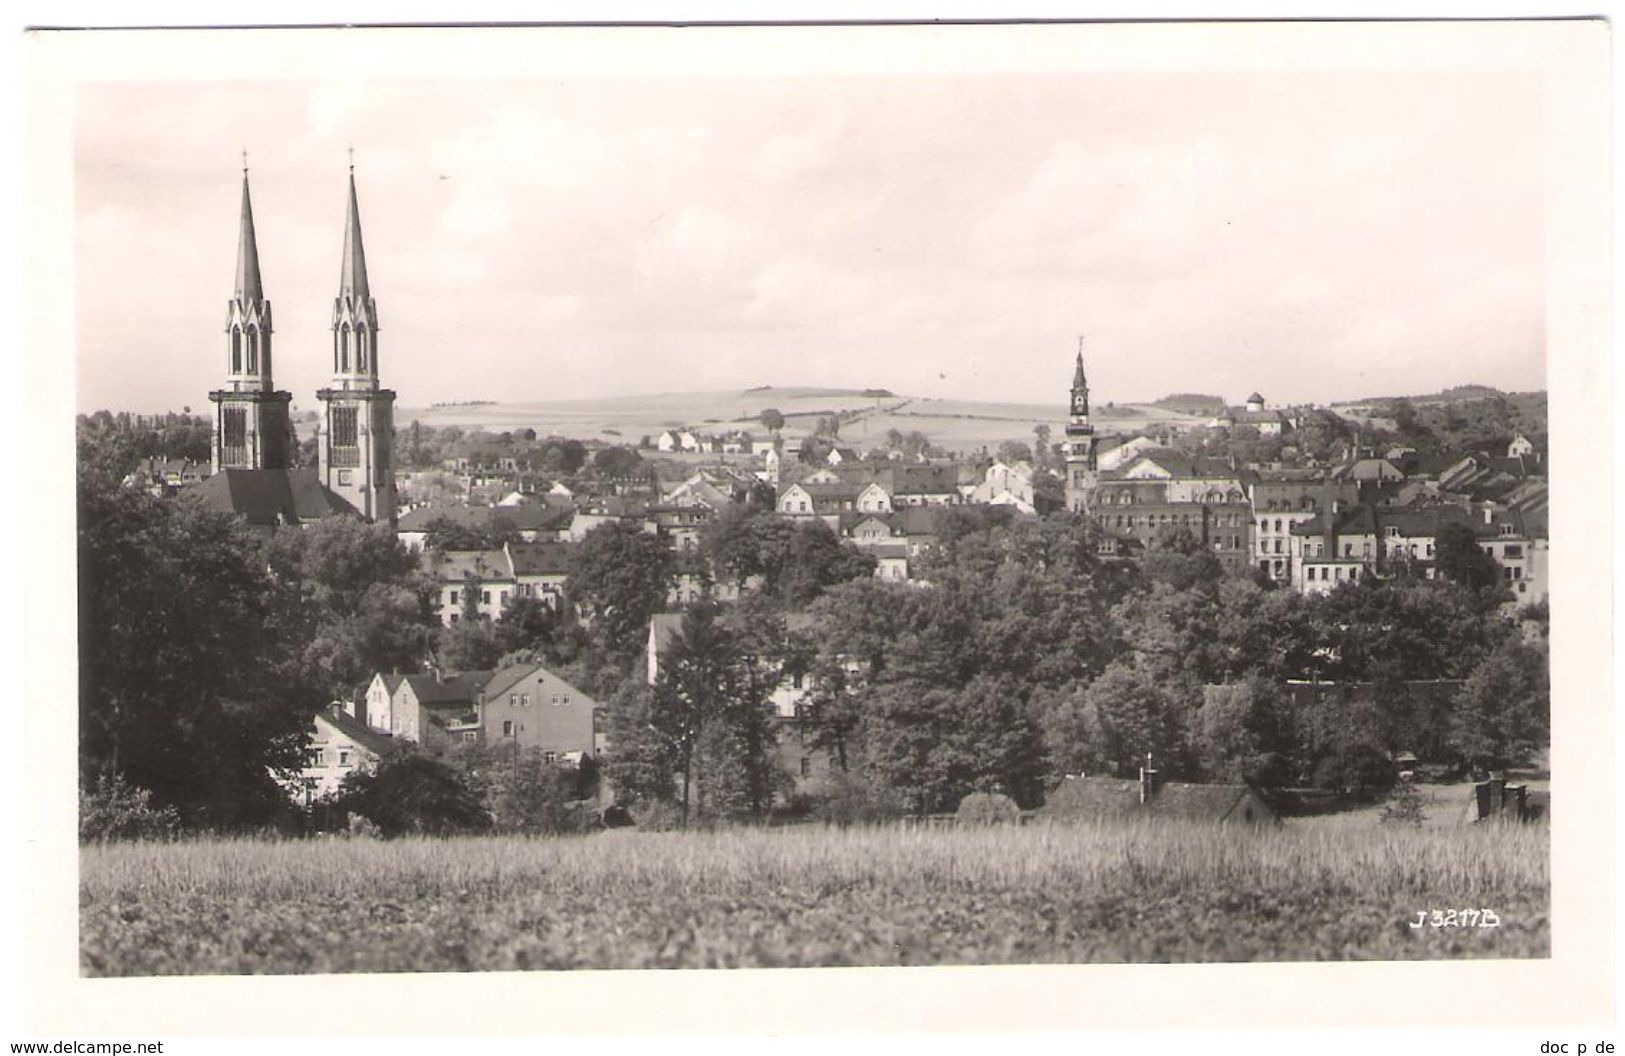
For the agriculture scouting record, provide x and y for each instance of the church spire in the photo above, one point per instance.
(1078, 380)
(248, 289)
(353, 273)
(355, 315)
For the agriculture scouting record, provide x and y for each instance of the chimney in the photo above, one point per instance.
(1148, 780)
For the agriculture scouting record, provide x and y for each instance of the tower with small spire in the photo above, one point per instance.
(355, 437)
(251, 424)
(1081, 463)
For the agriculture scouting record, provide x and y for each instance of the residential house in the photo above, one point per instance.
(540, 570)
(433, 709)
(487, 573)
(528, 707)
(338, 745)
(1165, 490)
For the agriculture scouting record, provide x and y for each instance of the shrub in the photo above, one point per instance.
(847, 799)
(987, 808)
(413, 794)
(655, 815)
(113, 809)
(1405, 808)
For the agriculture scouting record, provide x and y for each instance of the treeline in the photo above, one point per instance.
(1028, 658)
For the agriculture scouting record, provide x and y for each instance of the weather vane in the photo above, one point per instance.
(352, 158)
(245, 161)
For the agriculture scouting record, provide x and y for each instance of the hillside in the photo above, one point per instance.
(867, 415)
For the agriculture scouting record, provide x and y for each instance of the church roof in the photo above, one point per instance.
(1078, 379)
(353, 271)
(248, 289)
(269, 497)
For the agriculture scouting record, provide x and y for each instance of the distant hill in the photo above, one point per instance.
(866, 415)
(1192, 403)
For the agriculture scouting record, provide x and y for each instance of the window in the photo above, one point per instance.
(452, 600)
(454, 617)
(313, 757)
(344, 348)
(524, 700)
(236, 351)
(361, 349)
(485, 597)
(1348, 549)
(1512, 550)
(253, 350)
(344, 438)
(507, 728)
(513, 700)
(806, 766)
(470, 735)
(234, 434)
(1277, 524)
(344, 757)
(550, 757)
(1354, 573)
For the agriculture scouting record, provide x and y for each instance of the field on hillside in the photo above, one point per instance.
(810, 896)
(962, 425)
(634, 416)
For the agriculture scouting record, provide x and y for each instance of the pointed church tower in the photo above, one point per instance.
(355, 439)
(1081, 441)
(251, 427)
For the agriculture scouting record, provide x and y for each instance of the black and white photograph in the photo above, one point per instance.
(843, 497)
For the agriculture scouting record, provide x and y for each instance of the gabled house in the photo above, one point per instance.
(338, 745)
(527, 707)
(431, 709)
(457, 573)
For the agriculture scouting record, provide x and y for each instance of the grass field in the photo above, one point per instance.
(810, 896)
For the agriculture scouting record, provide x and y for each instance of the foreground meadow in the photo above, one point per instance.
(808, 897)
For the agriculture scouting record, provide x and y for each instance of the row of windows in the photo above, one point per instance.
(254, 346)
(317, 757)
(343, 346)
(1325, 573)
(522, 700)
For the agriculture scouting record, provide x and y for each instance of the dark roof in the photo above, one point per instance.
(372, 740)
(458, 689)
(665, 626)
(501, 681)
(271, 496)
(1108, 797)
(534, 516)
(419, 519)
(540, 559)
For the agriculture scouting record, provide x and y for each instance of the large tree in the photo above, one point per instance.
(193, 681)
(366, 599)
(708, 707)
(620, 576)
(1503, 713)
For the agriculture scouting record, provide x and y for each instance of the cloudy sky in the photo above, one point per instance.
(1313, 236)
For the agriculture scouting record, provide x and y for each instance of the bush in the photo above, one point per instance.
(413, 794)
(1405, 808)
(655, 815)
(848, 799)
(987, 808)
(115, 810)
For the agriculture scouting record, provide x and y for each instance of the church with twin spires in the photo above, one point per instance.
(253, 438)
